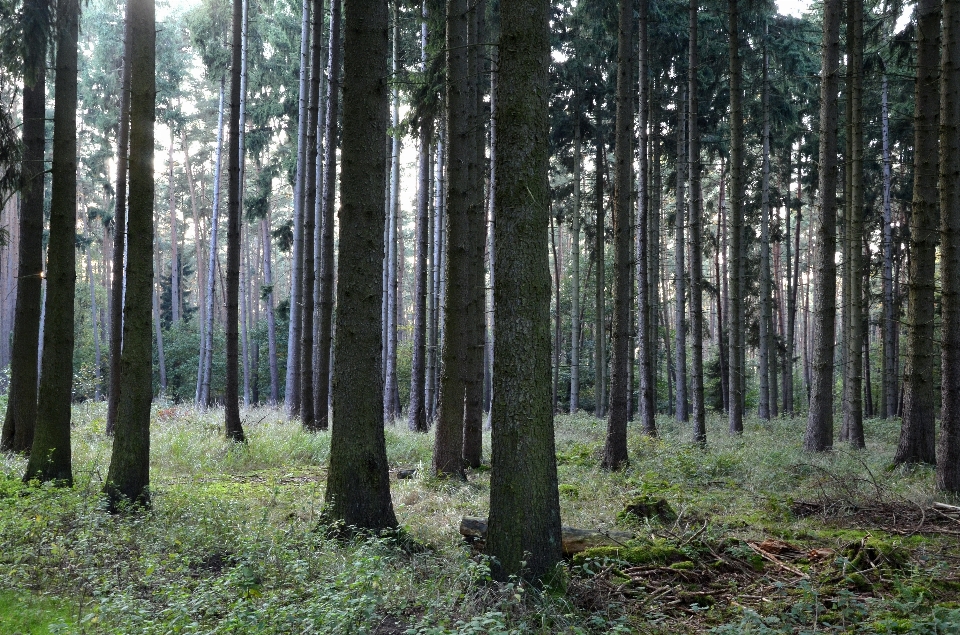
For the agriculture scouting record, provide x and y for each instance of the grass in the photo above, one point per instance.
(233, 542)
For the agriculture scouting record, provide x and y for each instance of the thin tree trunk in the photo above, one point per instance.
(555, 384)
(417, 412)
(766, 312)
(888, 381)
(575, 274)
(390, 407)
(295, 330)
(271, 317)
(93, 314)
(696, 238)
(206, 361)
(175, 302)
(158, 334)
(736, 312)
(599, 351)
(679, 263)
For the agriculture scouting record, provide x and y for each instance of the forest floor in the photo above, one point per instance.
(755, 537)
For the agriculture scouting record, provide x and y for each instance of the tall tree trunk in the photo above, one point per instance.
(417, 412)
(948, 446)
(390, 406)
(917, 431)
(888, 381)
(175, 302)
(599, 347)
(696, 238)
(295, 331)
(434, 336)
(557, 342)
(853, 407)
(575, 273)
(93, 312)
(206, 350)
(819, 432)
(245, 317)
(358, 485)
(448, 442)
(245, 244)
(325, 306)
(615, 446)
(524, 527)
(307, 410)
(21, 417)
(231, 398)
(736, 312)
(679, 262)
(271, 316)
(50, 456)
(128, 478)
(766, 308)
(158, 333)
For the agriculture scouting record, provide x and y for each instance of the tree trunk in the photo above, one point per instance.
(206, 350)
(524, 523)
(271, 317)
(679, 263)
(766, 308)
(175, 302)
(819, 432)
(295, 330)
(948, 446)
(917, 431)
(95, 327)
(50, 456)
(853, 406)
(888, 380)
(557, 345)
(325, 306)
(390, 407)
(417, 412)
(358, 485)
(736, 312)
(128, 478)
(599, 350)
(21, 416)
(448, 443)
(575, 274)
(231, 397)
(158, 333)
(696, 238)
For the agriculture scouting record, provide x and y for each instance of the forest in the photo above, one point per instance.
(469, 316)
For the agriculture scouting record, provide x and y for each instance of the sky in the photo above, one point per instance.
(795, 8)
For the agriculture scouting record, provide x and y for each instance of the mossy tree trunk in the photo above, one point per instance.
(358, 485)
(524, 522)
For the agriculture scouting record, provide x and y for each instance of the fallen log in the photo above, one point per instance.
(573, 540)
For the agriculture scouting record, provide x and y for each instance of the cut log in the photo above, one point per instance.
(573, 540)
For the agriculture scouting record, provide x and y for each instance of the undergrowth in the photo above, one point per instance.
(234, 541)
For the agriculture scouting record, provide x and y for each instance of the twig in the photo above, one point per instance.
(777, 561)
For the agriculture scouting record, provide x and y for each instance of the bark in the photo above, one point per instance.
(434, 335)
(575, 274)
(128, 478)
(175, 302)
(231, 398)
(819, 432)
(524, 524)
(358, 486)
(888, 381)
(679, 262)
(766, 301)
(853, 406)
(21, 416)
(206, 351)
(391, 409)
(948, 446)
(417, 412)
(916, 444)
(557, 342)
(448, 442)
(308, 274)
(271, 316)
(94, 325)
(599, 346)
(325, 306)
(736, 312)
(648, 229)
(294, 333)
(50, 458)
(696, 233)
(245, 318)
(245, 264)
(158, 333)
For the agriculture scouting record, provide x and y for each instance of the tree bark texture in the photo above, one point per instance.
(524, 521)
(696, 237)
(358, 485)
(736, 310)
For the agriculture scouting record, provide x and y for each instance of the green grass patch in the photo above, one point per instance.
(26, 613)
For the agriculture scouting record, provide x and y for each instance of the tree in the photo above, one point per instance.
(128, 478)
(119, 234)
(918, 428)
(696, 231)
(679, 264)
(735, 313)
(358, 486)
(948, 446)
(50, 457)
(819, 432)
(615, 446)
(524, 523)
(21, 416)
(325, 305)
(231, 399)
